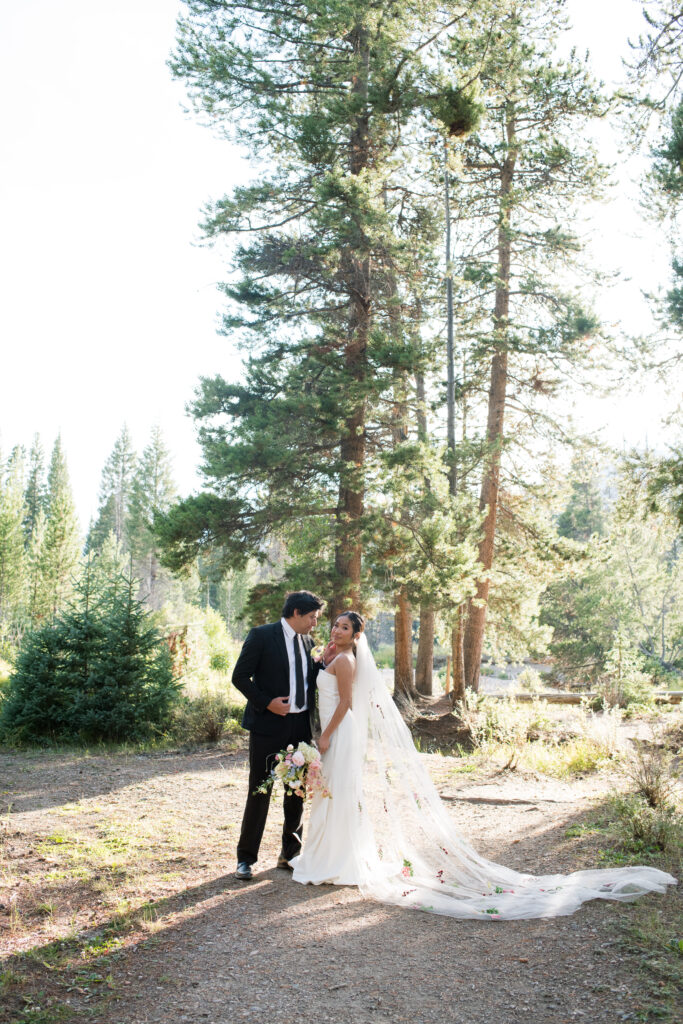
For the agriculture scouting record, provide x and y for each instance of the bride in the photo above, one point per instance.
(385, 829)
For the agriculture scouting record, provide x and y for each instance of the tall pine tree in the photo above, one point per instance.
(152, 493)
(12, 567)
(115, 493)
(35, 494)
(525, 170)
(61, 548)
(329, 97)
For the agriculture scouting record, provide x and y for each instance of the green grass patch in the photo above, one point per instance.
(10, 980)
(583, 829)
(581, 756)
(655, 939)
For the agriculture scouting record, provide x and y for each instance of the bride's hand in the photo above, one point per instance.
(324, 744)
(329, 653)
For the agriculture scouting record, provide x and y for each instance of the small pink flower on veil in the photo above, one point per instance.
(407, 869)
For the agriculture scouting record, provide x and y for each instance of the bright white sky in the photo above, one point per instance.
(108, 309)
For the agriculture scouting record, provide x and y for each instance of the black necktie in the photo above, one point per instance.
(299, 674)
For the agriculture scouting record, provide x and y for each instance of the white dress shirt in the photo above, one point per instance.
(289, 634)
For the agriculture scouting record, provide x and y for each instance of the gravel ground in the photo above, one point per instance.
(219, 951)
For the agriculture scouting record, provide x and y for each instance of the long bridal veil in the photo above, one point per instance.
(413, 855)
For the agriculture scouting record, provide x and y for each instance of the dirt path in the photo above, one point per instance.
(131, 858)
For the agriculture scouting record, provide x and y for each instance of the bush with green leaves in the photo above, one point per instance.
(655, 770)
(643, 829)
(99, 672)
(529, 679)
(498, 721)
(205, 718)
(204, 652)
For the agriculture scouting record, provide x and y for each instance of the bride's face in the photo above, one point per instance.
(342, 632)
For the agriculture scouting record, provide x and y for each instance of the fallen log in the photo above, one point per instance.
(563, 697)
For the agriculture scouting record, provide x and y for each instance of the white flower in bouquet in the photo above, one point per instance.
(310, 753)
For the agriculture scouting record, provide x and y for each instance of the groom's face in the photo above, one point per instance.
(304, 623)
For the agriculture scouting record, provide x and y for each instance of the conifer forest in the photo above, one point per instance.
(380, 300)
(408, 284)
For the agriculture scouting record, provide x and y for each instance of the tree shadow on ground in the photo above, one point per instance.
(224, 951)
(36, 780)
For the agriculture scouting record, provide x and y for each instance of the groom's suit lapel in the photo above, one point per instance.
(281, 645)
(311, 683)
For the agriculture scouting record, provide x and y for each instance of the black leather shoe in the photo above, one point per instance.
(282, 862)
(244, 871)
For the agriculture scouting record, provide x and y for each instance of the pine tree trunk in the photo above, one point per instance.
(450, 343)
(348, 547)
(458, 656)
(421, 406)
(474, 631)
(403, 646)
(348, 550)
(424, 670)
(153, 571)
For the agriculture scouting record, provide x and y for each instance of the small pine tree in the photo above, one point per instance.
(623, 682)
(132, 689)
(35, 707)
(53, 668)
(99, 672)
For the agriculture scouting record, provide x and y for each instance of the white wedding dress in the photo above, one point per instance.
(386, 830)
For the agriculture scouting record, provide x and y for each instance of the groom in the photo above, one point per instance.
(276, 674)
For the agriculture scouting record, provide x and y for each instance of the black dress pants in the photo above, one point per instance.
(262, 751)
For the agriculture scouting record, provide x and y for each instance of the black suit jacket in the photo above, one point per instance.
(262, 672)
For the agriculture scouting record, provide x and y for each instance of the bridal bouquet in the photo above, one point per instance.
(300, 771)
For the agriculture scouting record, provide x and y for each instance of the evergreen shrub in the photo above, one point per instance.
(623, 684)
(99, 672)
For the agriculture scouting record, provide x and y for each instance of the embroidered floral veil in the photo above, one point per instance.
(414, 856)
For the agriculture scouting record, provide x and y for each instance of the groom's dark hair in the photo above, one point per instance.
(301, 601)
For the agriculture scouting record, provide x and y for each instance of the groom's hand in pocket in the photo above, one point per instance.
(279, 705)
